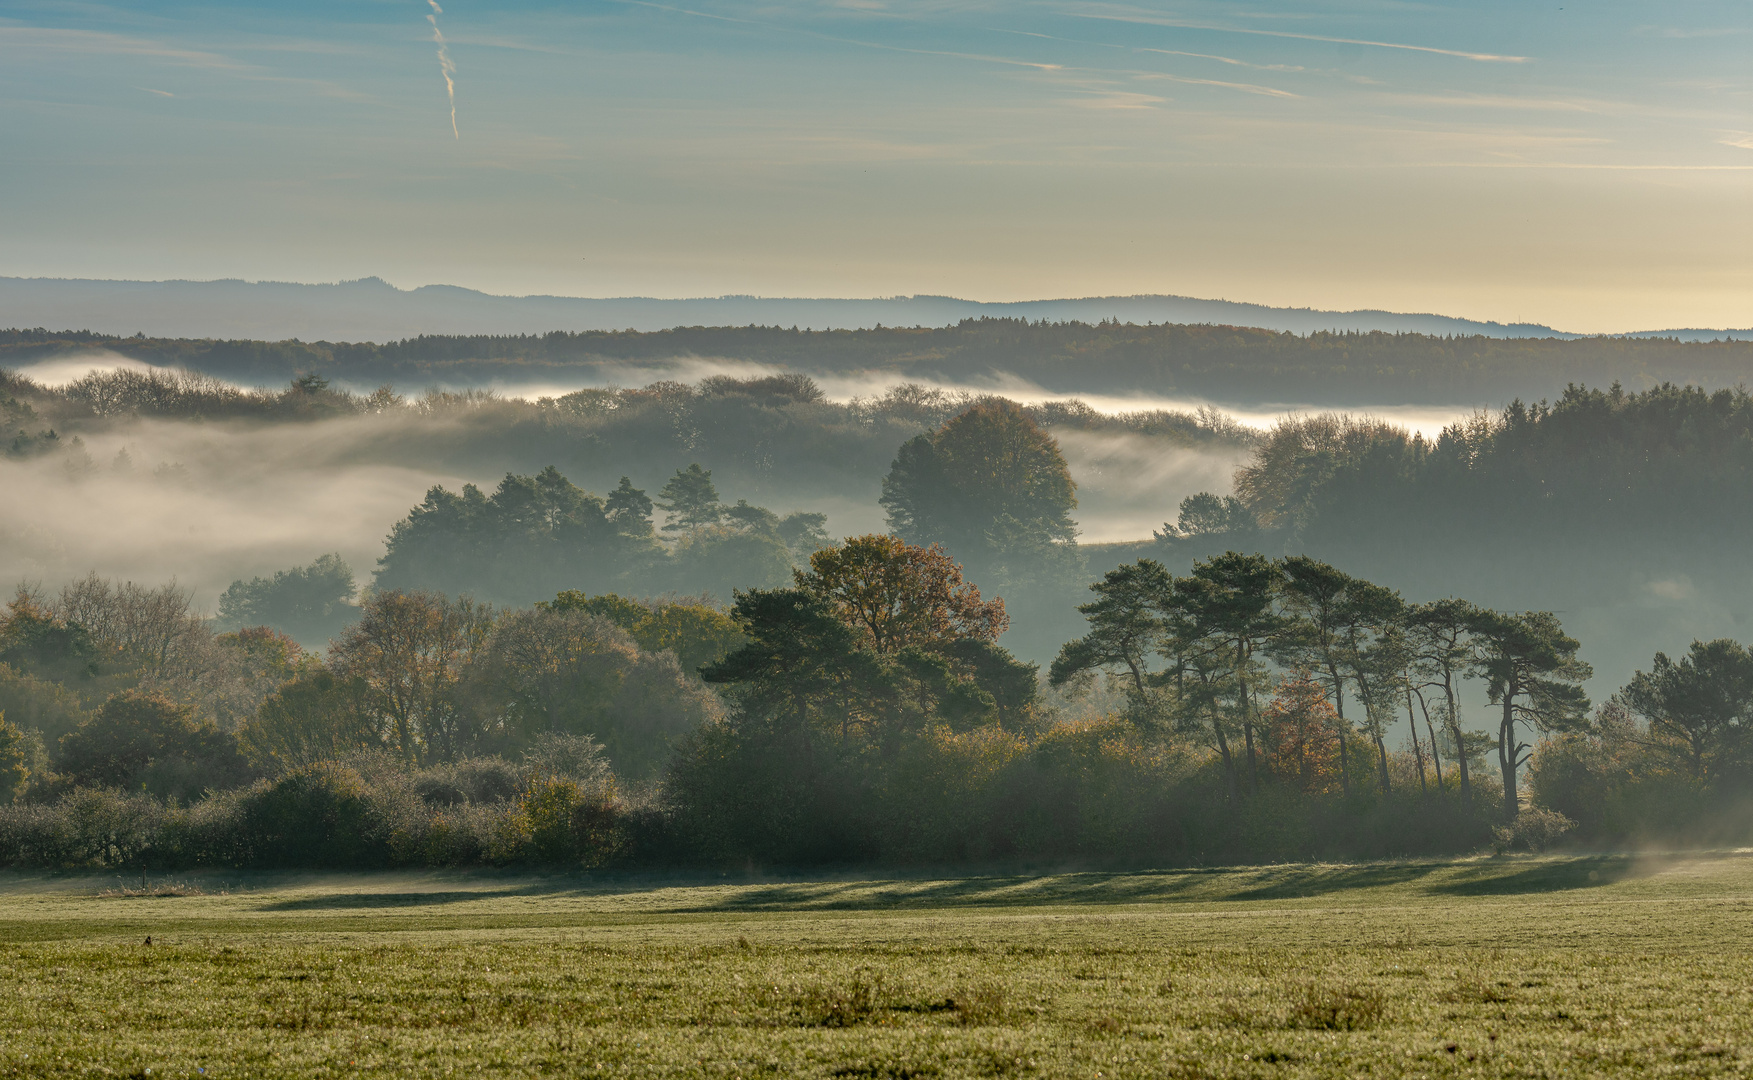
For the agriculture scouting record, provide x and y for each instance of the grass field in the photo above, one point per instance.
(1489, 967)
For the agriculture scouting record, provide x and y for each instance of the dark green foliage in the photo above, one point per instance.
(1667, 465)
(540, 535)
(690, 500)
(629, 508)
(138, 740)
(842, 689)
(1128, 622)
(320, 815)
(533, 536)
(14, 760)
(1532, 674)
(1701, 705)
(989, 486)
(310, 603)
(316, 716)
(1624, 783)
(556, 671)
(34, 640)
(1207, 515)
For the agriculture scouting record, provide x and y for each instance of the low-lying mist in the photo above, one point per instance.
(209, 503)
(204, 504)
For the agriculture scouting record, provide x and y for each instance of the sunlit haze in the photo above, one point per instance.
(1583, 166)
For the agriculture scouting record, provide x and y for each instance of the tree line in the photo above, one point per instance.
(1219, 362)
(1232, 695)
(1199, 651)
(1250, 709)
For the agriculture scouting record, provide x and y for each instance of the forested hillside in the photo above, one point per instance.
(1220, 363)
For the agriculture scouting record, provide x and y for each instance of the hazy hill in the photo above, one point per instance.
(373, 310)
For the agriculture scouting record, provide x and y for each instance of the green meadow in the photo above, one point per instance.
(1526, 967)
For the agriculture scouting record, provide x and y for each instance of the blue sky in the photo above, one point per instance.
(1588, 165)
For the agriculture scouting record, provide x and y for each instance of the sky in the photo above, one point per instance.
(1584, 165)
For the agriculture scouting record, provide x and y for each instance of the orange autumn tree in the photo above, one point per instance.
(894, 594)
(1301, 736)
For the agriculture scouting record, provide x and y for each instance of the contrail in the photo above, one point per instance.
(445, 66)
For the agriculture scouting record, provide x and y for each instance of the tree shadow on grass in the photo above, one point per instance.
(806, 894)
(1558, 875)
(341, 901)
(1296, 882)
(1218, 885)
(1018, 890)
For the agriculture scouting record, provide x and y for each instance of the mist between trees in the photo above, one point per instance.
(860, 700)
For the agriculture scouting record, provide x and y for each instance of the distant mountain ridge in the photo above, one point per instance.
(371, 309)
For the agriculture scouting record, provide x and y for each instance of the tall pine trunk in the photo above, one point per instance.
(1506, 755)
(1339, 711)
(1460, 744)
(1417, 747)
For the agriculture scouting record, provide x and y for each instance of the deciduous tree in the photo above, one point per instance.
(990, 486)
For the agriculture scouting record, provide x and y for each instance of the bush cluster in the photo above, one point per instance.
(558, 806)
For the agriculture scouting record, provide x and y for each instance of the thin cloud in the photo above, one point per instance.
(445, 67)
(1679, 33)
(1289, 69)
(1246, 88)
(1227, 60)
(98, 43)
(691, 11)
(1154, 20)
(1505, 101)
(150, 90)
(1115, 99)
(41, 39)
(1737, 139)
(979, 57)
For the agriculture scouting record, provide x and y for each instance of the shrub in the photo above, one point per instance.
(112, 828)
(319, 815)
(37, 835)
(1535, 828)
(555, 821)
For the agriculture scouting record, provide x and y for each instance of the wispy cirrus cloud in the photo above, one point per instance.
(1682, 33)
(1246, 88)
(881, 46)
(1288, 68)
(1115, 99)
(101, 43)
(45, 39)
(1145, 18)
